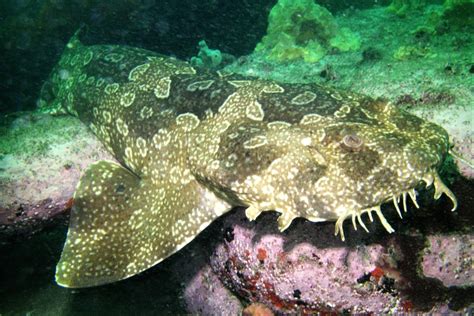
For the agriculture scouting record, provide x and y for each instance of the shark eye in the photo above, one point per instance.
(352, 142)
(120, 188)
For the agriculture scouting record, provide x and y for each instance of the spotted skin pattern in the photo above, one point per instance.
(192, 144)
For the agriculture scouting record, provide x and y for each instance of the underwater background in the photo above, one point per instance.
(419, 54)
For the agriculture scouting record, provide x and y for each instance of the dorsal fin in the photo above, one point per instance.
(121, 225)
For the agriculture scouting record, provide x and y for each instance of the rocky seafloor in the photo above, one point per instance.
(425, 266)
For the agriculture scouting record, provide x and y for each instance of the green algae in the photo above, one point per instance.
(33, 134)
(304, 30)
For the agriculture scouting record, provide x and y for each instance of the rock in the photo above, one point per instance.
(449, 258)
(41, 159)
(307, 269)
(206, 295)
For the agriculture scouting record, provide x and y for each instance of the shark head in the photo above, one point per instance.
(331, 167)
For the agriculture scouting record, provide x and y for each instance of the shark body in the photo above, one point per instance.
(192, 144)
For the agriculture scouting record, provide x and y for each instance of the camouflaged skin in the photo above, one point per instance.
(193, 143)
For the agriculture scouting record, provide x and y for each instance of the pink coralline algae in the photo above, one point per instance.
(306, 270)
(450, 259)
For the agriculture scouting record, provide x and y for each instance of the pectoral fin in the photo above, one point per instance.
(121, 225)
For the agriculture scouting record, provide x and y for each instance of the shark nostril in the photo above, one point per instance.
(352, 142)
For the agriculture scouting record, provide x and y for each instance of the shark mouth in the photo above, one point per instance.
(429, 179)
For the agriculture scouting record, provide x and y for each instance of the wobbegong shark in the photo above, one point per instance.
(191, 144)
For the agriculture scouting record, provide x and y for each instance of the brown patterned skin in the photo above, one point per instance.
(192, 144)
